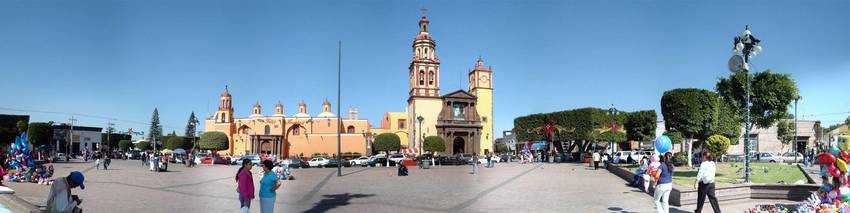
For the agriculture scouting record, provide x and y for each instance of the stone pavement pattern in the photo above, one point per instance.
(129, 187)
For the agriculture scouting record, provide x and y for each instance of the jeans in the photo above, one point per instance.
(662, 196)
(244, 202)
(706, 190)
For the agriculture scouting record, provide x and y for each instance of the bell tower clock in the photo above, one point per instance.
(481, 85)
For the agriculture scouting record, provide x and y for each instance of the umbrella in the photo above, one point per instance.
(166, 151)
(179, 151)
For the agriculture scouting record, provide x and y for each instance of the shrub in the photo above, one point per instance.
(717, 145)
(680, 158)
(213, 141)
(434, 144)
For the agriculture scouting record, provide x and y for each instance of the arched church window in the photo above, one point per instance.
(421, 77)
(350, 130)
(268, 130)
(430, 77)
(296, 130)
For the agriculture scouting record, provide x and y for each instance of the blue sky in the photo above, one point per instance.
(120, 59)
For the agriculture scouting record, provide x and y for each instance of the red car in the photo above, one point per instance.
(215, 160)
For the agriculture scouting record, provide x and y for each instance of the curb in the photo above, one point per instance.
(16, 204)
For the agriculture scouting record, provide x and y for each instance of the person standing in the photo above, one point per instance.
(488, 156)
(705, 184)
(596, 160)
(474, 163)
(268, 185)
(245, 186)
(106, 161)
(97, 163)
(60, 198)
(664, 184)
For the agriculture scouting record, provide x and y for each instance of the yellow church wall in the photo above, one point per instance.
(429, 109)
(485, 109)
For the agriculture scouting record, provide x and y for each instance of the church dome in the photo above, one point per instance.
(326, 115)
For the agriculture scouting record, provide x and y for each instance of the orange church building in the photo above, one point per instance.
(300, 134)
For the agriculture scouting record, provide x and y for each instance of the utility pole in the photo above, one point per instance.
(108, 134)
(71, 137)
(339, 110)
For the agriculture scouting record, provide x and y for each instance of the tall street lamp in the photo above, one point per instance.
(613, 113)
(745, 46)
(420, 119)
(796, 147)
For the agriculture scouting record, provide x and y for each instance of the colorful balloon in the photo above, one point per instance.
(841, 165)
(833, 171)
(663, 144)
(826, 159)
(834, 150)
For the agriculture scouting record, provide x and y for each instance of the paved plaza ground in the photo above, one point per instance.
(129, 187)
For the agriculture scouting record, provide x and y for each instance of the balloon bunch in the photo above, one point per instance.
(20, 154)
(834, 195)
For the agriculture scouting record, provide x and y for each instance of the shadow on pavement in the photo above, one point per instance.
(621, 210)
(335, 200)
(355, 172)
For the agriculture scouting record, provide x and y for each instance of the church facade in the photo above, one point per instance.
(464, 119)
(300, 134)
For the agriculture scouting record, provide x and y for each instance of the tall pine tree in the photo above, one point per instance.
(156, 129)
(191, 126)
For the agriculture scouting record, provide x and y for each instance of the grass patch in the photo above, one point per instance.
(732, 173)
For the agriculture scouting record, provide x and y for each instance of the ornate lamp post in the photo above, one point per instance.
(613, 113)
(745, 46)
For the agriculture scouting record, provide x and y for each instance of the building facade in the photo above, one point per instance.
(80, 138)
(464, 119)
(300, 134)
(766, 139)
(396, 123)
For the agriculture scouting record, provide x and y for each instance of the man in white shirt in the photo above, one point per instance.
(60, 198)
(596, 160)
(705, 182)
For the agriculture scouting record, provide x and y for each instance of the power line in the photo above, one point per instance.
(83, 115)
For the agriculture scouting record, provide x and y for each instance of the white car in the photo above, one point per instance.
(361, 161)
(495, 159)
(789, 157)
(396, 158)
(766, 157)
(318, 162)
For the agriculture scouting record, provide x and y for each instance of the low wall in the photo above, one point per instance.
(16, 204)
(686, 196)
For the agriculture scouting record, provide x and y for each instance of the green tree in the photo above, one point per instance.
(191, 126)
(173, 142)
(675, 137)
(40, 133)
(124, 144)
(214, 141)
(387, 142)
(155, 131)
(691, 112)
(22, 126)
(785, 133)
(717, 145)
(847, 122)
(641, 125)
(144, 145)
(771, 95)
(434, 144)
(501, 148)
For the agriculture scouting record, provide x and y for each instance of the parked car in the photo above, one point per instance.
(295, 163)
(466, 157)
(767, 157)
(380, 160)
(396, 158)
(318, 162)
(361, 161)
(332, 162)
(445, 160)
(60, 156)
(215, 160)
(255, 159)
(495, 159)
(133, 154)
(788, 157)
